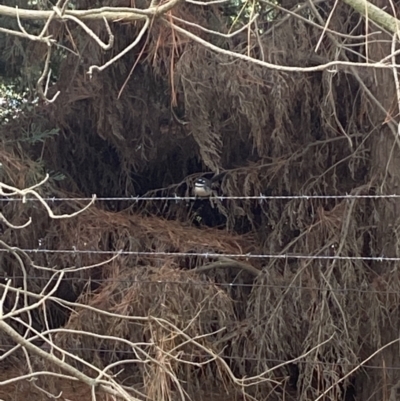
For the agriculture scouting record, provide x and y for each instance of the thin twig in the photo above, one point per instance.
(126, 50)
(224, 35)
(104, 385)
(109, 13)
(277, 67)
(30, 191)
(103, 45)
(46, 75)
(223, 263)
(7, 223)
(34, 38)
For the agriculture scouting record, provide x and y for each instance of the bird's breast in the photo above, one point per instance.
(202, 191)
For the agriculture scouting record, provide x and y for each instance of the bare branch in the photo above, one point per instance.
(228, 263)
(103, 45)
(224, 35)
(126, 50)
(46, 73)
(109, 13)
(104, 385)
(240, 56)
(36, 374)
(6, 222)
(31, 191)
(46, 39)
(206, 3)
(376, 14)
(356, 368)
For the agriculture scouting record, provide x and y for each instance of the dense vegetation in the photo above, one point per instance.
(175, 107)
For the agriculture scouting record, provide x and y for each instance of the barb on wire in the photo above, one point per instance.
(220, 284)
(7, 190)
(212, 255)
(176, 198)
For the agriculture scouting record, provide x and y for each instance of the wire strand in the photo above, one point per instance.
(210, 284)
(226, 357)
(207, 255)
(176, 198)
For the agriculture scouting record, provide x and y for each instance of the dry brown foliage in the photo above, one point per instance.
(185, 110)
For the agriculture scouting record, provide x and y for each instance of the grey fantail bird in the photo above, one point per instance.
(204, 187)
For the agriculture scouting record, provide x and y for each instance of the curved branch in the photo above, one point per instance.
(227, 262)
(126, 50)
(106, 387)
(109, 13)
(30, 191)
(277, 67)
(374, 13)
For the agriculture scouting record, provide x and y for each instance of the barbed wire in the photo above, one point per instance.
(207, 255)
(260, 197)
(209, 284)
(226, 357)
